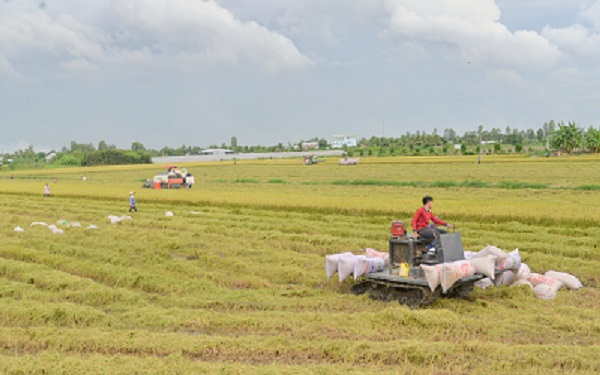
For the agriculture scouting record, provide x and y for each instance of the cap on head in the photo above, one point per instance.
(131, 193)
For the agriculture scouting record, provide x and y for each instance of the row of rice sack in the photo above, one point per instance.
(513, 272)
(346, 264)
(447, 274)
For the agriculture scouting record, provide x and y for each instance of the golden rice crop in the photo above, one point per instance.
(234, 281)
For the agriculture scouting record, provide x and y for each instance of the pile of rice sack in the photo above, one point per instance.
(499, 267)
(346, 264)
(510, 270)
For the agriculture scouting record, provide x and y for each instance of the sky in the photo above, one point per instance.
(174, 72)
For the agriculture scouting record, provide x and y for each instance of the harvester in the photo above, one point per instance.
(413, 290)
(173, 178)
(311, 160)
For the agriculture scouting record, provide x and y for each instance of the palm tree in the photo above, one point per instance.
(567, 137)
(592, 139)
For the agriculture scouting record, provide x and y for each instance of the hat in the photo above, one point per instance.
(131, 193)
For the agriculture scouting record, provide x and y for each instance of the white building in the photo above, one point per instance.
(50, 156)
(339, 141)
(310, 146)
(216, 151)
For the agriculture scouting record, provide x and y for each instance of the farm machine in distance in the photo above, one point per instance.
(173, 178)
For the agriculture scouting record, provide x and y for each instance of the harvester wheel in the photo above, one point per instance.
(461, 291)
(412, 297)
(361, 287)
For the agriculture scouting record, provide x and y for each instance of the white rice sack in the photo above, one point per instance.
(331, 263)
(74, 225)
(524, 272)
(51, 226)
(366, 265)
(346, 266)
(92, 226)
(168, 213)
(568, 280)
(521, 282)
(469, 254)
(19, 229)
(491, 250)
(372, 253)
(512, 262)
(545, 291)
(432, 274)
(58, 231)
(505, 278)
(536, 279)
(485, 265)
(38, 223)
(452, 272)
(484, 283)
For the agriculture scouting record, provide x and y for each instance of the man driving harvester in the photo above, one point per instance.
(421, 222)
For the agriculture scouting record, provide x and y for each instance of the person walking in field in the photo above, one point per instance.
(46, 191)
(421, 221)
(132, 202)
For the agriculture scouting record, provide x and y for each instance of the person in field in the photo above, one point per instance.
(46, 191)
(132, 205)
(421, 222)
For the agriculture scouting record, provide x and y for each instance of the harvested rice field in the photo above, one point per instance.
(234, 281)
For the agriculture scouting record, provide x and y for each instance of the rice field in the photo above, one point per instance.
(234, 282)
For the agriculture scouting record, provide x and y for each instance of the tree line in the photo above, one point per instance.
(551, 136)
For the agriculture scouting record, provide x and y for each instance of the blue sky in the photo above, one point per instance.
(172, 72)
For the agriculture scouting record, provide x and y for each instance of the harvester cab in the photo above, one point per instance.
(413, 289)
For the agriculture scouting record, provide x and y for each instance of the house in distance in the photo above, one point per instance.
(339, 141)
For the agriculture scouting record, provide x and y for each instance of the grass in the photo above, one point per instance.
(234, 281)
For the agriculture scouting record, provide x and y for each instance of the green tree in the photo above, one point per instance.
(592, 139)
(137, 146)
(102, 146)
(567, 137)
(518, 147)
(539, 135)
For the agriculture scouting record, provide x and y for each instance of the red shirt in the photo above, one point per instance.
(422, 218)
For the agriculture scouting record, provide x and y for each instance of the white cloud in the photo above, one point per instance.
(470, 29)
(578, 41)
(164, 33)
(315, 22)
(581, 43)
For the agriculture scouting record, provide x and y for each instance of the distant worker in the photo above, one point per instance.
(46, 191)
(422, 219)
(132, 202)
(189, 180)
(479, 159)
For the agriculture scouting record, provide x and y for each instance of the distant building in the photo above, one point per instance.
(50, 156)
(310, 146)
(339, 141)
(216, 151)
(488, 142)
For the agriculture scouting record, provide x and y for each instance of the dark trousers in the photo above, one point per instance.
(429, 234)
(132, 207)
